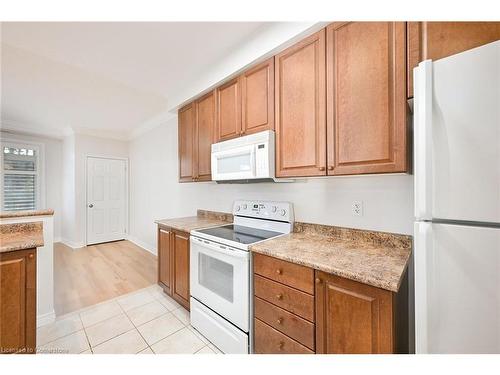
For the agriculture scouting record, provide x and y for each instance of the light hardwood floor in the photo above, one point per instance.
(86, 276)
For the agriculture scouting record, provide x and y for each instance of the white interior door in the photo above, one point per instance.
(106, 200)
(457, 289)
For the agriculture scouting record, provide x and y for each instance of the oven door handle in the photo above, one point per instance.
(221, 248)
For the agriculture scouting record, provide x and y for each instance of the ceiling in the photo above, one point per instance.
(106, 78)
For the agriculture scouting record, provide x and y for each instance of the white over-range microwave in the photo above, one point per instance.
(245, 159)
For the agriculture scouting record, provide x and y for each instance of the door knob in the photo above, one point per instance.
(91, 205)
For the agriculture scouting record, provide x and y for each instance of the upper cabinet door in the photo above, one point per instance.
(205, 129)
(300, 108)
(186, 130)
(435, 40)
(228, 99)
(257, 96)
(366, 98)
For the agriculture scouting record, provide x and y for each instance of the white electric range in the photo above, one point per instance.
(220, 274)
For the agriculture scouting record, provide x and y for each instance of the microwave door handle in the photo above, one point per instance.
(253, 161)
(235, 152)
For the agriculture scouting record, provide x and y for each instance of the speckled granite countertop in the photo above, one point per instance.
(204, 219)
(20, 236)
(7, 214)
(374, 258)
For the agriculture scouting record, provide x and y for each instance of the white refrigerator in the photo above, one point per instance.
(457, 203)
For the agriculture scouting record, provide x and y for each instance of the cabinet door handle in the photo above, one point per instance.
(321, 168)
(31, 256)
(280, 320)
(330, 167)
(279, 272)
(318, 280)
(279, 296)
(281, 345)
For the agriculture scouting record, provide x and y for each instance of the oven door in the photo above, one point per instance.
(219, 278)
(234, 164)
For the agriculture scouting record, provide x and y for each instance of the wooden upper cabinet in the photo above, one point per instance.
(366, 98)
(205, 129)
(257, 98)
(228, 102)
(352, 317)
(187, 131)
(300, 108)
(435, 40)
(180, 268)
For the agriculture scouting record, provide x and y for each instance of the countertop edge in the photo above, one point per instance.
(21, 236)
(337, 272)
(31, 213)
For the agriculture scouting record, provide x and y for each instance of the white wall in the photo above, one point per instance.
(68, 227)
(76, 149)
(156, 194)
(52, 173)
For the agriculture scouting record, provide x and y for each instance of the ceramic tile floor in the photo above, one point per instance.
(145, 322)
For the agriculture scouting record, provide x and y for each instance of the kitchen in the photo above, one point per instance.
(292, 203)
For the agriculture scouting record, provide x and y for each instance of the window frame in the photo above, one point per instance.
(40, 168)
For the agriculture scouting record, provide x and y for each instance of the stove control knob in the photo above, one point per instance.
(237, 208)
(274, 209)
(283, 212)
(244, 206)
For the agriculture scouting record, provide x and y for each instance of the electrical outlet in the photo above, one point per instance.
(357, 208)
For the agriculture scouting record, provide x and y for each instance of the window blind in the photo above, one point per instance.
(19, 178)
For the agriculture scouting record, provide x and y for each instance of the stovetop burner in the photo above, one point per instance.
(240, 233)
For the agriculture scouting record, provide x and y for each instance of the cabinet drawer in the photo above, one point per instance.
(270, 341)
(290, 324)
(290, 299)
(294, 275)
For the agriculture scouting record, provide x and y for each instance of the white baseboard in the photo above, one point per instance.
(44, 319)
(144, 245)
(72, 244)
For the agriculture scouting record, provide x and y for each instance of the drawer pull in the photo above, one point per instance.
(280, 320)
(318, 280)
(279, 296)
(279, 272)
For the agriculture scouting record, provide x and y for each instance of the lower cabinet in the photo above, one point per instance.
(180, 268)
(283, 307)
(173, 264)
(18, 301)
(300, 310)
(352, 317)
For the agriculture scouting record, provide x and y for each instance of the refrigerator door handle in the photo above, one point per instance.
(423, 284)
(423, 140)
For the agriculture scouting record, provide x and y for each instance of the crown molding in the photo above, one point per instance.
(34, 129)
